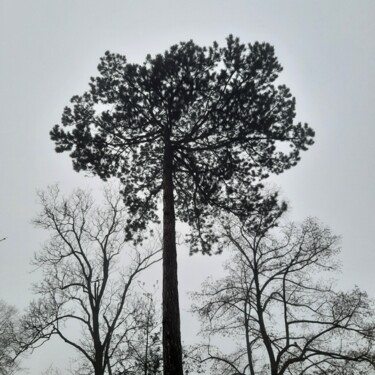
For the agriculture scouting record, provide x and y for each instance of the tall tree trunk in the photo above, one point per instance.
(98, 366)
(172, 353)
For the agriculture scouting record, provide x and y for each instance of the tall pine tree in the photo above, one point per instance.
(200, 126)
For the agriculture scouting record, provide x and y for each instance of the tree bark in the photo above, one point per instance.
(172, 352)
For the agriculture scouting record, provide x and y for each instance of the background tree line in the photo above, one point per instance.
(276, 307)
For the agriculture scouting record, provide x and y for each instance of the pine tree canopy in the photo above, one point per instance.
(215, 112)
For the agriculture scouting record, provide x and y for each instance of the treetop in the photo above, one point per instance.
(217, 110)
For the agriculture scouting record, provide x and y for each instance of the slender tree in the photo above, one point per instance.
(201, 126)
(284, 318)
(83, 282)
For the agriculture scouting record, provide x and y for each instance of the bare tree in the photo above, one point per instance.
(278, 304)
(8, 339)
(83, 283)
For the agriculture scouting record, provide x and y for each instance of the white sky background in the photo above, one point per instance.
(49, 49)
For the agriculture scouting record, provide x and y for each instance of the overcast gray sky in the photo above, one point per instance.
(50, 48)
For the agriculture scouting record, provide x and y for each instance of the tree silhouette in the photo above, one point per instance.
(84, 285)
(201, 126)
(276, 303)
